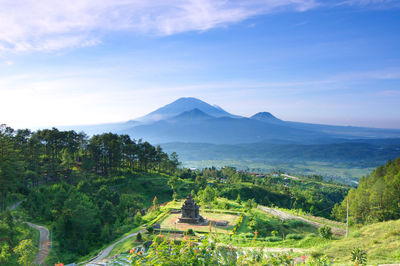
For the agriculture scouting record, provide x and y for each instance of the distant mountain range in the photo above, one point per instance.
(194, 121)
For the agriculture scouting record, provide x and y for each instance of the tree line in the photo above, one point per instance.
(29, 158)
(377, 197)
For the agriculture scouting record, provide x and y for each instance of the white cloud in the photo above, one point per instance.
(29, 25)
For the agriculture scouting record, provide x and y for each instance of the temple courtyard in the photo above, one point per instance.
(172, 222)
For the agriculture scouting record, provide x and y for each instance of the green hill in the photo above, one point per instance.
(381, 241)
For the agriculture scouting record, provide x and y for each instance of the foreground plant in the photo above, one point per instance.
(206, 252)
(359, 256)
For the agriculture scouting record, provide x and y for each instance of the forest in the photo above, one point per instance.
(377, 197)
(67, 180)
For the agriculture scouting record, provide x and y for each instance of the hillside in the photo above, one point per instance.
(381, 241)
(376, 198)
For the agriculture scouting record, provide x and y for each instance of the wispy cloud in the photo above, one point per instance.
(371, 4)
(29, 25)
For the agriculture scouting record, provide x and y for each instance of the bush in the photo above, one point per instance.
(205, 252)
(311, 235)
(139, 237)
(190, 232)
(320, 260)
(240, 221)
(293, 223)
(325, 232)
(356, 234)
(273, 238)
(294, 236)
(359, 256)
(150, 229)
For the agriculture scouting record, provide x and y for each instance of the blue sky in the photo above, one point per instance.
(93, 61)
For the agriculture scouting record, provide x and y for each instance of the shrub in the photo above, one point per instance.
(150, 229)
(274, 233)
(320, 260)
(359, 256)
(356, 234)
(190, 232)
(139, 237)
(240, 221)
(273, 238)
(294, 236)
(205, 252)
(325, 232)
(293, 223)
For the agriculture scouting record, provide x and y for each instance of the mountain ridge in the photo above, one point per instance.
(182, 105)
(190, 119)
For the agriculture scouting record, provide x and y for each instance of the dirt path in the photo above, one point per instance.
(44, 241)
(105, 252)
(44, 244)
(286, 216)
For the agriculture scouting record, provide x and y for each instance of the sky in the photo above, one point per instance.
(96, 61)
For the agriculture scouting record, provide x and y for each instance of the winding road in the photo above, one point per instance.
(44, 241)
(44, 244)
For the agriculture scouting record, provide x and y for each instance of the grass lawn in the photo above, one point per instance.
(170, 222)
(125, 246)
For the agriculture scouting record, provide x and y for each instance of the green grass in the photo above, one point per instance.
(307, 242)
(381, 241)
(125, 246)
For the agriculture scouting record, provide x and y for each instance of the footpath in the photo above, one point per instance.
(44, 242)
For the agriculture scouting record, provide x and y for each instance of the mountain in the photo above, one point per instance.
(183, 105)
(196, 126)
(266, 117)
(193, 120)
(192, 115)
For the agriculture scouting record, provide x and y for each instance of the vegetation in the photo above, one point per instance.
(81, 187)
(16, 241)
(359, 256)
(92, 191)
(377, 197)
(325, 232)
(206, 252)
(344, 162)
(380, 241)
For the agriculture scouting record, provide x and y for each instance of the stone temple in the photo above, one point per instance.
(190, 212)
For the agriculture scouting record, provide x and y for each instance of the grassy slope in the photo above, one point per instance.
(381, 241)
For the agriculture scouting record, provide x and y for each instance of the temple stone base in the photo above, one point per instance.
(199, 220)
